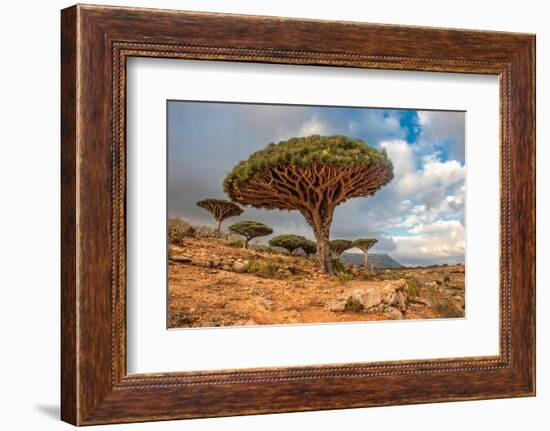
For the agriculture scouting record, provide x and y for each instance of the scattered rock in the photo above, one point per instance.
(181, 259)
(395, 293)
(283, 273)
(266, 304)
(393, 313)
(337, 306)
(419, 300)
(239, 265)
(293, 317)
(368, 297)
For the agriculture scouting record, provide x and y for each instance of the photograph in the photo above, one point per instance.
(296, 214)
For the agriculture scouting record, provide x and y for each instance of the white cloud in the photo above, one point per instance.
(429, 184)
(441, 242)
(313, 126)
(425, 202)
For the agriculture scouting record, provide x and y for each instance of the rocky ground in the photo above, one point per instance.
(214, 284)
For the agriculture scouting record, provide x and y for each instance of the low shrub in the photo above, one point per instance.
(446, 308)
(345, 276)
(261, 268)
(342, 272)
(353, 304)
(181, 319)
(178, 229)
(237, 243)
(414, 290)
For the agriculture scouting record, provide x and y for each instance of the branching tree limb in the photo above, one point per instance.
(338, 246)
(311, 175)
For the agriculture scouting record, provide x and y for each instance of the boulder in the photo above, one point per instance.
(395, 293)
(393, 313)
(367, 297)
(239, 265)
(337, 306)
(419, 300)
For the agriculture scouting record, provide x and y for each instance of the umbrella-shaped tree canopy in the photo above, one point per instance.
(250, 230)
(289, 242)
(220, 209)
(338, 246)
(364, 244)
(311, 175)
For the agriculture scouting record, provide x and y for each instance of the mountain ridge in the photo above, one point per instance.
(377, 260)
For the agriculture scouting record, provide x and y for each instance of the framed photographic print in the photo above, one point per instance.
(264, 214)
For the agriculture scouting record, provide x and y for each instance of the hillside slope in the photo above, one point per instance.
(213, 284)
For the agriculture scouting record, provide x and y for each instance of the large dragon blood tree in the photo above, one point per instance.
(221, 210)
(364, 244)
(312, 175)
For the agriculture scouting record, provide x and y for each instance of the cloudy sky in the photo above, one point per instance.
(418, 217)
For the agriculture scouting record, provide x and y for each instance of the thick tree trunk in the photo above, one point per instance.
(320, 221)
(245, 245)
(366, 260)
(324, 258)
(218, 228)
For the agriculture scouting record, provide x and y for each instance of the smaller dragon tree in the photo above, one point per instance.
(221, 210)
(289, 242)
(338, 246)
(309, 247)
(250, 230)
(364, 244)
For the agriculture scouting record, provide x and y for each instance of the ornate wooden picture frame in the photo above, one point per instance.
(96, 41)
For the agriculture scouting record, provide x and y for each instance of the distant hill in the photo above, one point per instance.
(377, 260)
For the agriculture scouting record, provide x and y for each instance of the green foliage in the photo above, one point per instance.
(250, 229)
(345, 276)
(261, 268)
(220, 208)
(335, 150)
(289, 242)
(236, 243)
(309, 247)
(353, 304)
(342, 271)
(338, 265)
(414, 290)
(364, 243)
(178, 230)
(338, 246)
